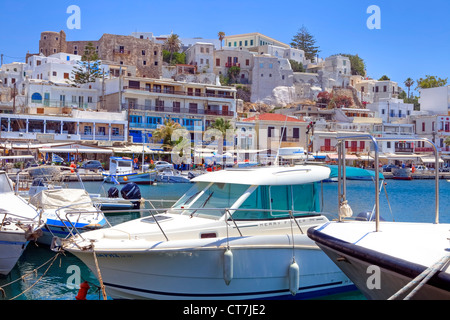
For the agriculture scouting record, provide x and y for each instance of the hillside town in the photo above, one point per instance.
(250, 82)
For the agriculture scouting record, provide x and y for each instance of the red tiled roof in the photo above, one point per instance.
(274, 117)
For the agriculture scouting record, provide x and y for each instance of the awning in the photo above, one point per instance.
(75, 149)
(431, 160)
(334, 156)
(391, 156)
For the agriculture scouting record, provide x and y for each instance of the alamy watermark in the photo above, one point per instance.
(74, 20)
(374, 20)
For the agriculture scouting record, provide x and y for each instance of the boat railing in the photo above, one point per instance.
(9, 218)
(342, 176)
(226, 213)
(78, 213)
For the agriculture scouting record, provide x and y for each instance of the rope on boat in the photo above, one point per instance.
(100, 279)
(422, 278)
(51, 261)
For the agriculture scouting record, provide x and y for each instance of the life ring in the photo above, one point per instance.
(136, 160)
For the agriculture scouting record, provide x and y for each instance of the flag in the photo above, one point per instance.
(114, 180)
(56, 158)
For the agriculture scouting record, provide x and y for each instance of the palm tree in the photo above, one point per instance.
(409, 82)
(221, 35)
(172, 44)
(164, 133)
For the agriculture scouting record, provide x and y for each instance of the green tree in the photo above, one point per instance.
(164, 133)
(233, 73)
(305, 41)
(221, 36)
(430, 82)
(384, 78)
(174, 58)
(88, 69)
(358, 66)
(172, 44)
(408, 83)
(296, 66)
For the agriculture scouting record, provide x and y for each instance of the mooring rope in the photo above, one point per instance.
(422, 279)
(102, 286)
(51, 261)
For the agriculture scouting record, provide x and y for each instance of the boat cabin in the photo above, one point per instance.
(120, 165)
(255, 194)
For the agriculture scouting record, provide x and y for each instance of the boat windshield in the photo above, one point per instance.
(5, 185)
(255, 202)
(273, 202)
(209, 199)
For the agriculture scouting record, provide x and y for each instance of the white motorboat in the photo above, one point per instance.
(171, 175)
(66, 211)
(390, 260)
(121, 171)
(19, 223)
(236, 234)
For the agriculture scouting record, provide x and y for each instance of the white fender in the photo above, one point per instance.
(228, 266)
(294, 277)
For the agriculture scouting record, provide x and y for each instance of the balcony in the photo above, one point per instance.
(176, 110)
(232, 64)
(181, 93)
(424, 149)
(327, 148)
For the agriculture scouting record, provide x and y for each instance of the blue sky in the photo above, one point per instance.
(413, 41)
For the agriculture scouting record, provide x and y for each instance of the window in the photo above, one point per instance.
(261, 65)
(36, 97)
(89, 99)
(423, 126)
(384, 88)
(270, 65)
(143, 52)
(87, 130)
(217, 62)
(135, 119)
(383, 111)
(156, 63)
(66, 75)
(296, 133)
(247, 62)
(240, 43)
(74, 99)
(235, 43)
(144, 63)
(376, 89)
(251, 42)
(246, 42)
(54, 73)
(115, 131)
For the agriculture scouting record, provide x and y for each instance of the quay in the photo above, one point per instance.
(70, 176)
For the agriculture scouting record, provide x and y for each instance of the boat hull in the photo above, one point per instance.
(380, 276)
(195, 270)
(138, 178)
(12, 245)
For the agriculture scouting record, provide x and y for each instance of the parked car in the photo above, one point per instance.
(421, 168)
(389, 167)
(92, 165)
(162, 165)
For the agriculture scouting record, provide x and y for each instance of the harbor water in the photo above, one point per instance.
(40, 274)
